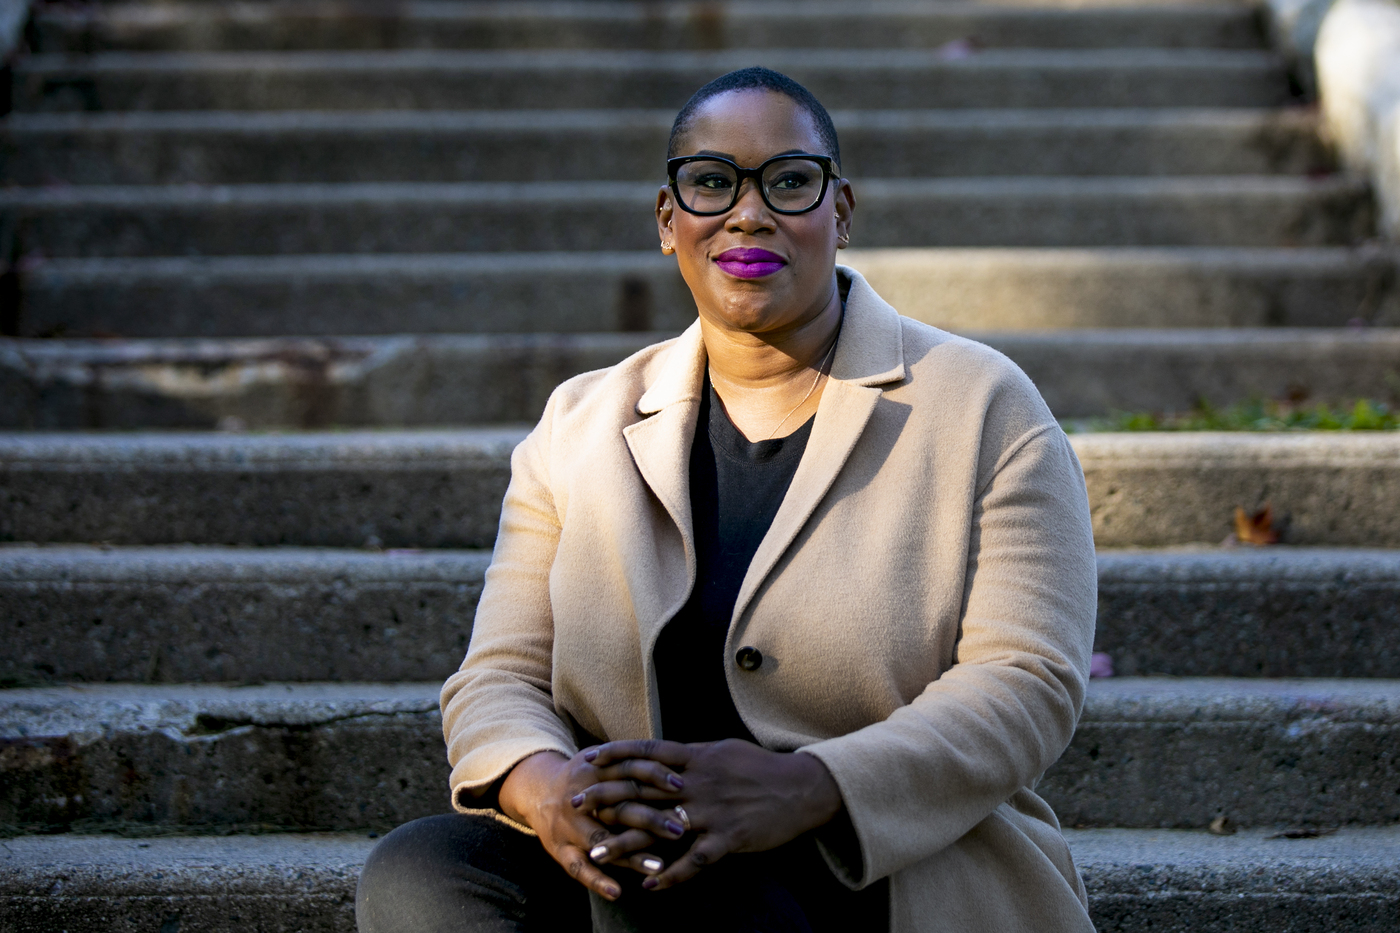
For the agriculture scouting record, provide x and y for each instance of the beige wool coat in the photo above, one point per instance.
(924, 602)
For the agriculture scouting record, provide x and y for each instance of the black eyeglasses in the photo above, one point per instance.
(789, 184)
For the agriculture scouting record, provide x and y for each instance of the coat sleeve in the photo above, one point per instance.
(498, 708)
(1007, 707)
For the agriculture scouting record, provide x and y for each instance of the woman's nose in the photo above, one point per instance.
(750, 213)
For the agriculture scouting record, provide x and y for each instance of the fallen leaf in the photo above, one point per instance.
(1100, 665)
(1222, 826)
(1255, 529)
(1302, 833)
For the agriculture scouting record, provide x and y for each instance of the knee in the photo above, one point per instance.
(413, 853)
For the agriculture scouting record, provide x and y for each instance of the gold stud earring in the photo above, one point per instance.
(667, 248)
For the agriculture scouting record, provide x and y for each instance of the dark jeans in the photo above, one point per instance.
(472, 874)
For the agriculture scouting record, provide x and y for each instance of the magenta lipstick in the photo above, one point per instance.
(749, 262)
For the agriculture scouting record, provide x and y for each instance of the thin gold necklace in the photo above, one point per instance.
(821, 371)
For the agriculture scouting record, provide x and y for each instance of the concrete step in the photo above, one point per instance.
(455, 380)
(959, 289)
(442, 24)
(220, 147)
(1259, 211)
(1250, 612)
(376, 489)
(211, 614)
(1150, 752)
(451, 80)
(240, 615)
(443, 488)
(1161, 881)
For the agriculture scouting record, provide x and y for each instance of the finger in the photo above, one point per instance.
(660, 823)
(643, 771)
(575, 862)
(643, 862)
(673, 754)
(708, 849)
(620, 846)
(610, 793)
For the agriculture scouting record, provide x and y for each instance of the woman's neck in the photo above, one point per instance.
(770, 384)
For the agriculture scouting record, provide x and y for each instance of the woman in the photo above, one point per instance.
(786, 616)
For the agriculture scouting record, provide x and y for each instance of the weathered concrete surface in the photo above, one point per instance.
(1151, 490)
(443, 488)
(562, 293)
(1168, 753)
(678, 25)
(485, 379)
(405, 217)
(1091, 372)
(957, 289)
(180, 615)
(303, 883)
(297, 383)
(1180, 882)
(1251, 612)
(1148, 753)
(401, 489)
(140, 148)
(1138, 880)
(1029, 289)
(309, 756)
(456, 80)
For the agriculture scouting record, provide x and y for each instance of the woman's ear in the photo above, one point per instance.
(665, 210)
(845, 213)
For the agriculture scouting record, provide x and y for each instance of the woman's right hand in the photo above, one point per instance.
(542, 791)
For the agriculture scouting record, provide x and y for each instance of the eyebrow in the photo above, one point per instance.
(726, 155)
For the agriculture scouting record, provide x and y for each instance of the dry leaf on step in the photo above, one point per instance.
(1257, 528)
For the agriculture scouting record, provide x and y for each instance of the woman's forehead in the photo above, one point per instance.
(750, 126)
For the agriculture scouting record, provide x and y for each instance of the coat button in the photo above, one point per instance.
(749, 658)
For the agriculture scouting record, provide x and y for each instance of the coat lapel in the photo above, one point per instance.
(869, 352)
(660, 447)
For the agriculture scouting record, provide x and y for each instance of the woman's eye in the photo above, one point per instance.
(790, 180)
(713, 181)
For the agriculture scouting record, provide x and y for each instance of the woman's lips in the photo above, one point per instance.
(749, 262)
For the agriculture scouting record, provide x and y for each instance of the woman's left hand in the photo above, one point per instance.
(738, 796)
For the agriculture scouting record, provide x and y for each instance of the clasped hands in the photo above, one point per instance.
(609, 804)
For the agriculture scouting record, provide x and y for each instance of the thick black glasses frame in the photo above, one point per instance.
(673, 166)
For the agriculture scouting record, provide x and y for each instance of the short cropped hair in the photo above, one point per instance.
(747, 79)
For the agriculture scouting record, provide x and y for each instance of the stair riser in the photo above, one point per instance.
(455, 381)
(433, 219)
(1329, 490)
(457, 83)
(317, 149)
(356, 619)
(1134, 762)
(582, 292)
(210, 616)
(676, 26)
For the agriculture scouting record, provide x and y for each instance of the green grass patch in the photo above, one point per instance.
(1255, 415)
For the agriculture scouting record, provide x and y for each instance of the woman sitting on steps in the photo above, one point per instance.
(786, 616)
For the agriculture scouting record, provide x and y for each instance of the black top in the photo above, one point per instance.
(736, 487)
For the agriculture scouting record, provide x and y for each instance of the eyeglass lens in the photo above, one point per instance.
(788, 185)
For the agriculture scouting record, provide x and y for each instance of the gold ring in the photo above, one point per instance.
(684, 817)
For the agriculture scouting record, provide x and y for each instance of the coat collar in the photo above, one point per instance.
(869, 353)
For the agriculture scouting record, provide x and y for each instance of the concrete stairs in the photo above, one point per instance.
(376, 235)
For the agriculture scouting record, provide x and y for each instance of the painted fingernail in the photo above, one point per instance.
(675, 781)
(598, 852)
(651, 864)
(650, 883)
(611, 891)
(674, 828)
(576, 799)
(590, 754)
